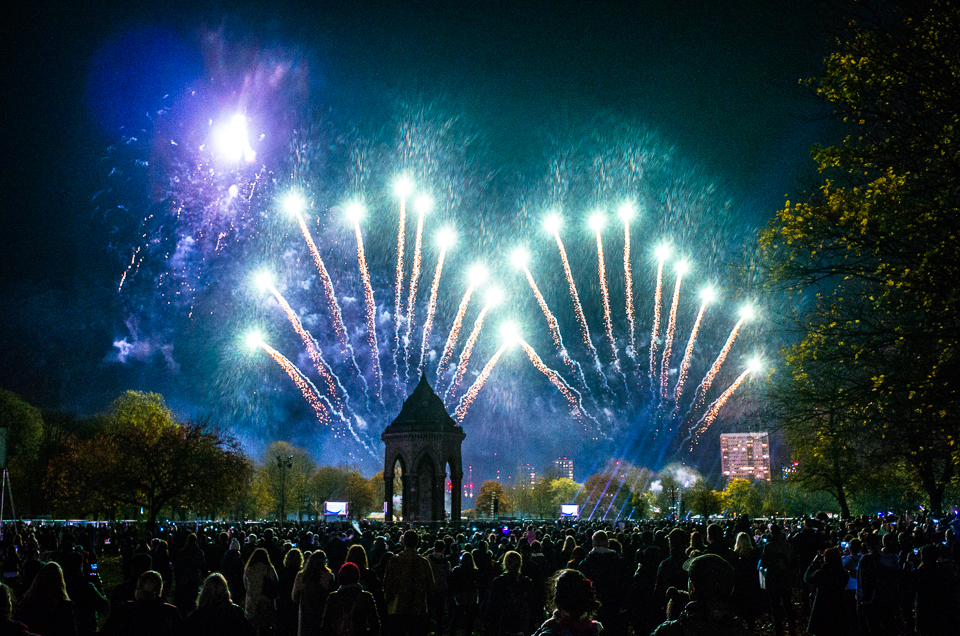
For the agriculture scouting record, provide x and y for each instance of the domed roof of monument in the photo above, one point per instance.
(423, 408)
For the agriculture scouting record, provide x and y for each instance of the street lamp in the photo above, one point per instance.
(283, 463)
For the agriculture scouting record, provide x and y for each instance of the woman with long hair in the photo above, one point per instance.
(314, 583)
(46, 608)
(465, 593)
(574, 601)
(286, 608)
(216, 613)
(262, 585)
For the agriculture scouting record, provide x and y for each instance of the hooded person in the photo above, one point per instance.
(708, 612)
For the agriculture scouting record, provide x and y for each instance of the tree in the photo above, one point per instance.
(870, 256)
(25, 431)
(145, 458)
(359, 495)
(604, 496)
(818, 401)
(736, 496)
(489, 490)
(703, 500)
(287, 471)
(562, 491)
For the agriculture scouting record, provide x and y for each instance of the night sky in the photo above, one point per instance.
(108, 109)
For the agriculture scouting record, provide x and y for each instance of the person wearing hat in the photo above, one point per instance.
(351, 610)
(707, 613)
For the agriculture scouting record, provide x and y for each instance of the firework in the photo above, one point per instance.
(355, 212)
(707, 296)
(320, 404)
(572, 396)
(478, 276)
(553, 226)
(294, 204)
(520, 259)
(494, 296)
(424, 204)
(467, 400)
(403, 189)
(714, 409)
(662, 253)
(626, 214)
(445, 239)
(596, 223)
(334, 387)
(701, 394)
(681, 269)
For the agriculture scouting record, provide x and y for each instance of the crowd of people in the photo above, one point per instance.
(872, 576)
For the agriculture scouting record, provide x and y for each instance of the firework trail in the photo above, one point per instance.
(655, 331)
(581, 318)
(555, 330)
(467, 400)
(572, 396)
(628, 282)
(714, 409)
(309, 391)
(334, 387)
(605, 294)
(371, 312)
(671, 332)
(466, 353)
(346, 349)
(708, 379)
(398, 290)
(454, 334)
(431, 308)
(412, 297)
(321, 405)
(687, 354)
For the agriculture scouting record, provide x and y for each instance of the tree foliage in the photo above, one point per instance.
(144, 457)
(870, 256)
(484, 501)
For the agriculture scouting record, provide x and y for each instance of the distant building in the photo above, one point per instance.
(564, 467)
(745, 456)
(527, 476)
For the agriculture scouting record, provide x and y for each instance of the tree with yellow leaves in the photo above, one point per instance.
(871, 256)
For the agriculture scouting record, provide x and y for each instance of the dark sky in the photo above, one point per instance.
(716, 81)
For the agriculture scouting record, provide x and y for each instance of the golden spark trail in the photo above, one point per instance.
(371, 311)
(412, 297)
(555, 330)
(708, 379)
(466, 353)
(431, 309)
(313, 350)
(628, 282)
(655, 332)
(578, 308)
(467, 400)
(338, 327)
(454, 334)
(572, 396)
(320, 404)
(309, 391)
(714, 409)
(398, 290)
(668, 343)
(605, 294)
(687, 354)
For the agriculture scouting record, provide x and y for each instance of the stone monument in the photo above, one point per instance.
(424, 440)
